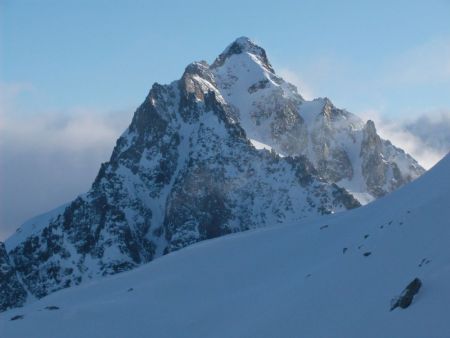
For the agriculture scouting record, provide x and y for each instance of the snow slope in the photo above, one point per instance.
(33, 226)
(302, 280)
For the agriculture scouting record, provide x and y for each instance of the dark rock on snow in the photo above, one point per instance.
(406, 297)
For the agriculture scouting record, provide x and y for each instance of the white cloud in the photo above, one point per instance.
(303, 88)
(49, 158)
(76, 130)
(9, 94)
(426, 137)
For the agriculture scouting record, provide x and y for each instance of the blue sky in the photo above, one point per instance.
(73, 72)
(379, 55)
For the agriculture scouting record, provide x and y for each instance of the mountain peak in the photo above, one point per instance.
(197, 79)
(243, 45)
(196, 67)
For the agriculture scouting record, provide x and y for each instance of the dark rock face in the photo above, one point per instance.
(241, 45)
(379, 166)
(286, 126)
(374, 168)
(332, 162)
(407, 295)
(12, 293)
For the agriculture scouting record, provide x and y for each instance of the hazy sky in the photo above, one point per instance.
(72, 73)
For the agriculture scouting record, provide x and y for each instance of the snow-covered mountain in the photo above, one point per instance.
(188, 169)
(335, 276)
(343, 148)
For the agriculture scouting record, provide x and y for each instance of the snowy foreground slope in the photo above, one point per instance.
(312, 279)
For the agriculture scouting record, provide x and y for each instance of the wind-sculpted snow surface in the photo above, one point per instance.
(334, 276)
(187, 170)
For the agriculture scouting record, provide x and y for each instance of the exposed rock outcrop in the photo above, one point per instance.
(12, 292)
(406, 297)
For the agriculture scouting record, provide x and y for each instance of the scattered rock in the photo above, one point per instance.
(52, 307)
(366, 254)
(130, 289)
(17, 317)
(366, 236)
(324, 226)
(407, 295)
(344, 250)
(424, 261)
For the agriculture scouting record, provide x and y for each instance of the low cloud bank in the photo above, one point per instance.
(426, 137)
(48, 159)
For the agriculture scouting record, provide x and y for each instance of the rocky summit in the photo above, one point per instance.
(226, 148)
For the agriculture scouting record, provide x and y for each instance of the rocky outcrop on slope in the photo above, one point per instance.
(12, 293)
(405, 299)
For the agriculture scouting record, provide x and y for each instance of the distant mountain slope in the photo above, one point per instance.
(332, 277)
(187, 169)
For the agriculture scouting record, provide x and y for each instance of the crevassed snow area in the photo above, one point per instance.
(302, 280)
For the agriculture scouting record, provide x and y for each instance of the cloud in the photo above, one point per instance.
(426, 137)
(10, 93)
(49, 158)
(75, 130)
(303, 88)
